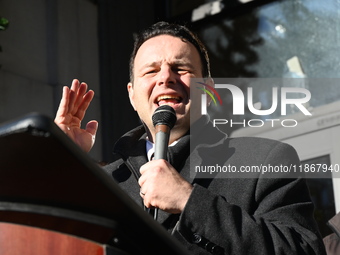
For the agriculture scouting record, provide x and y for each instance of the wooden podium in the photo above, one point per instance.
(54, 199)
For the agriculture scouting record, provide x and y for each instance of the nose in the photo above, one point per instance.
(166, 76)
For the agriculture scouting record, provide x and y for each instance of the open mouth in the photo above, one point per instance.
(168, 99)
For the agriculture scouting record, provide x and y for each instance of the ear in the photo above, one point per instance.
(131, 94)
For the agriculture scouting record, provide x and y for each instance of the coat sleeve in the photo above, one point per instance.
(252, 216)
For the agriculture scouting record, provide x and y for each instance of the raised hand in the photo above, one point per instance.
(71, 111)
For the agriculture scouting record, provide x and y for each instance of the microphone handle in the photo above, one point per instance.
(161, 142)
(161, 150)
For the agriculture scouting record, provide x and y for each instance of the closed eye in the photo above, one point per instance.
(182, 71)
(150, 71)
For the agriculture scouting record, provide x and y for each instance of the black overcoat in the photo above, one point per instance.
(246, 215)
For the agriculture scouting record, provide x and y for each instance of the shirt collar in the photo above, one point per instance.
(150, 147)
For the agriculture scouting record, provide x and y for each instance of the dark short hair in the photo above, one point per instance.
(180, 31)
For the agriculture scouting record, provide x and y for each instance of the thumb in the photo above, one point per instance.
(92, 127)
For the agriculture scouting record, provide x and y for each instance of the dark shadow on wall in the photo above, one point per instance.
(231, 44)
(116, 29)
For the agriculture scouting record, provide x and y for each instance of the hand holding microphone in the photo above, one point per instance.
(161, 185)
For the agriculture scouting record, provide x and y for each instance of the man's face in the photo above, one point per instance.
(163, 67)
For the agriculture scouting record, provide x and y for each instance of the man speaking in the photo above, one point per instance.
(210, 215)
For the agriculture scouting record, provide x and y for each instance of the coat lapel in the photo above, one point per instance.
(133, 151)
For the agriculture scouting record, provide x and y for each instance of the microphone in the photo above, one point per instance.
(163, 119)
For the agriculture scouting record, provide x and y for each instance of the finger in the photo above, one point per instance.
(144, 168)
(147, 203)
(157, 166)
(141, 181)
(63, 105)
(75, 85)
(82, 108)
(91, 127)
(142, 194)
(73, 95)
(80, 94)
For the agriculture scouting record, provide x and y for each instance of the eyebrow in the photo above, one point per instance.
(178, 62)
(182, 63)
(152, 64)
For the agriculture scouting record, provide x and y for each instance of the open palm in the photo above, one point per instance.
(71, 111)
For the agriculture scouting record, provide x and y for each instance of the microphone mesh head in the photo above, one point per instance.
(164, 115)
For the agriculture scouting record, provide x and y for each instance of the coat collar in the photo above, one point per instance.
(132, 148)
